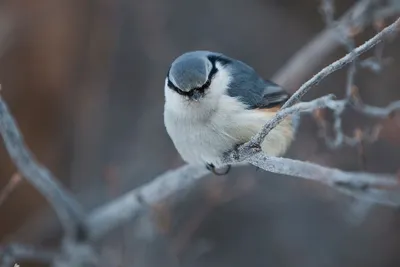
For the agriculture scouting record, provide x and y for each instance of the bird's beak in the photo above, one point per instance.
(196, 95)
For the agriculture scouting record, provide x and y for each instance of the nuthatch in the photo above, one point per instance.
(213, 103)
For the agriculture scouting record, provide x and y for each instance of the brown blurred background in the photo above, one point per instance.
(85, 79)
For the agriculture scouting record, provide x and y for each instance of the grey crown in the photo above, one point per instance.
(189, 70)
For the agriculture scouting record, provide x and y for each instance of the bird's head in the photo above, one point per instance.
(194, 75)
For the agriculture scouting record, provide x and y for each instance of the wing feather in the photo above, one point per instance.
(252, 89)
(273, 96)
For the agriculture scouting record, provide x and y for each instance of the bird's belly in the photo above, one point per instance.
(199, 144)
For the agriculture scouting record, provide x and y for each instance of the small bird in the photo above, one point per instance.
(214, 103)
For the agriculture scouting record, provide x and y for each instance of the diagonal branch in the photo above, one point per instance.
(325, 101)
(385, 33)
(256, 140)
(68, 210)
(127, 207)
(294, 72)
(352, 99)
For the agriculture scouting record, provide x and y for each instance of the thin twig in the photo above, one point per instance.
(328, 11)
(325, 101)
(294, 72)
(388, 31)
(9, 188)
(378, 112)
(346, 38)
(367, 110)
(257, 139)
(377, 62)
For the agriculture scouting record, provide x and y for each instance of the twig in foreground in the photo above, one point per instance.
(68, 210)
(352, 99)
(294, 72)
(255, 142)
(389, 30)
(364, 109)
(325, 101)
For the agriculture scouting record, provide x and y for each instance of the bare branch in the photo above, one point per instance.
(322, 102)
(127, 207)
(68, 210)
(124, 209)
(294, 72)
(328, 10)
(14, 253)
(388, 31)
(378, 112)
(346, 39)
(11, 185)
(361, 185)
(340, 137)
(367, 110)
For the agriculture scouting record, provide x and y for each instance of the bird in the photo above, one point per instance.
(214, 103)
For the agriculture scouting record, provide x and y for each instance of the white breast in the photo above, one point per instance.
(202, 138)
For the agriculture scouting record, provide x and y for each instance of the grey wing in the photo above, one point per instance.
(273, 96)
(253, 90)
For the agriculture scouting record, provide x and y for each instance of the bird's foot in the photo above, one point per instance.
(212, 169)
(235, 152)
(256, 148)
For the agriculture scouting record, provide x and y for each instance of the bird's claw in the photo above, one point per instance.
(235, 152)
(212, 169)
(255, 147)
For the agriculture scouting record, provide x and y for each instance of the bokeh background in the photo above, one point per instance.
(85, 79)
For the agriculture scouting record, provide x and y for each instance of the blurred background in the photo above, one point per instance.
(84, 79)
